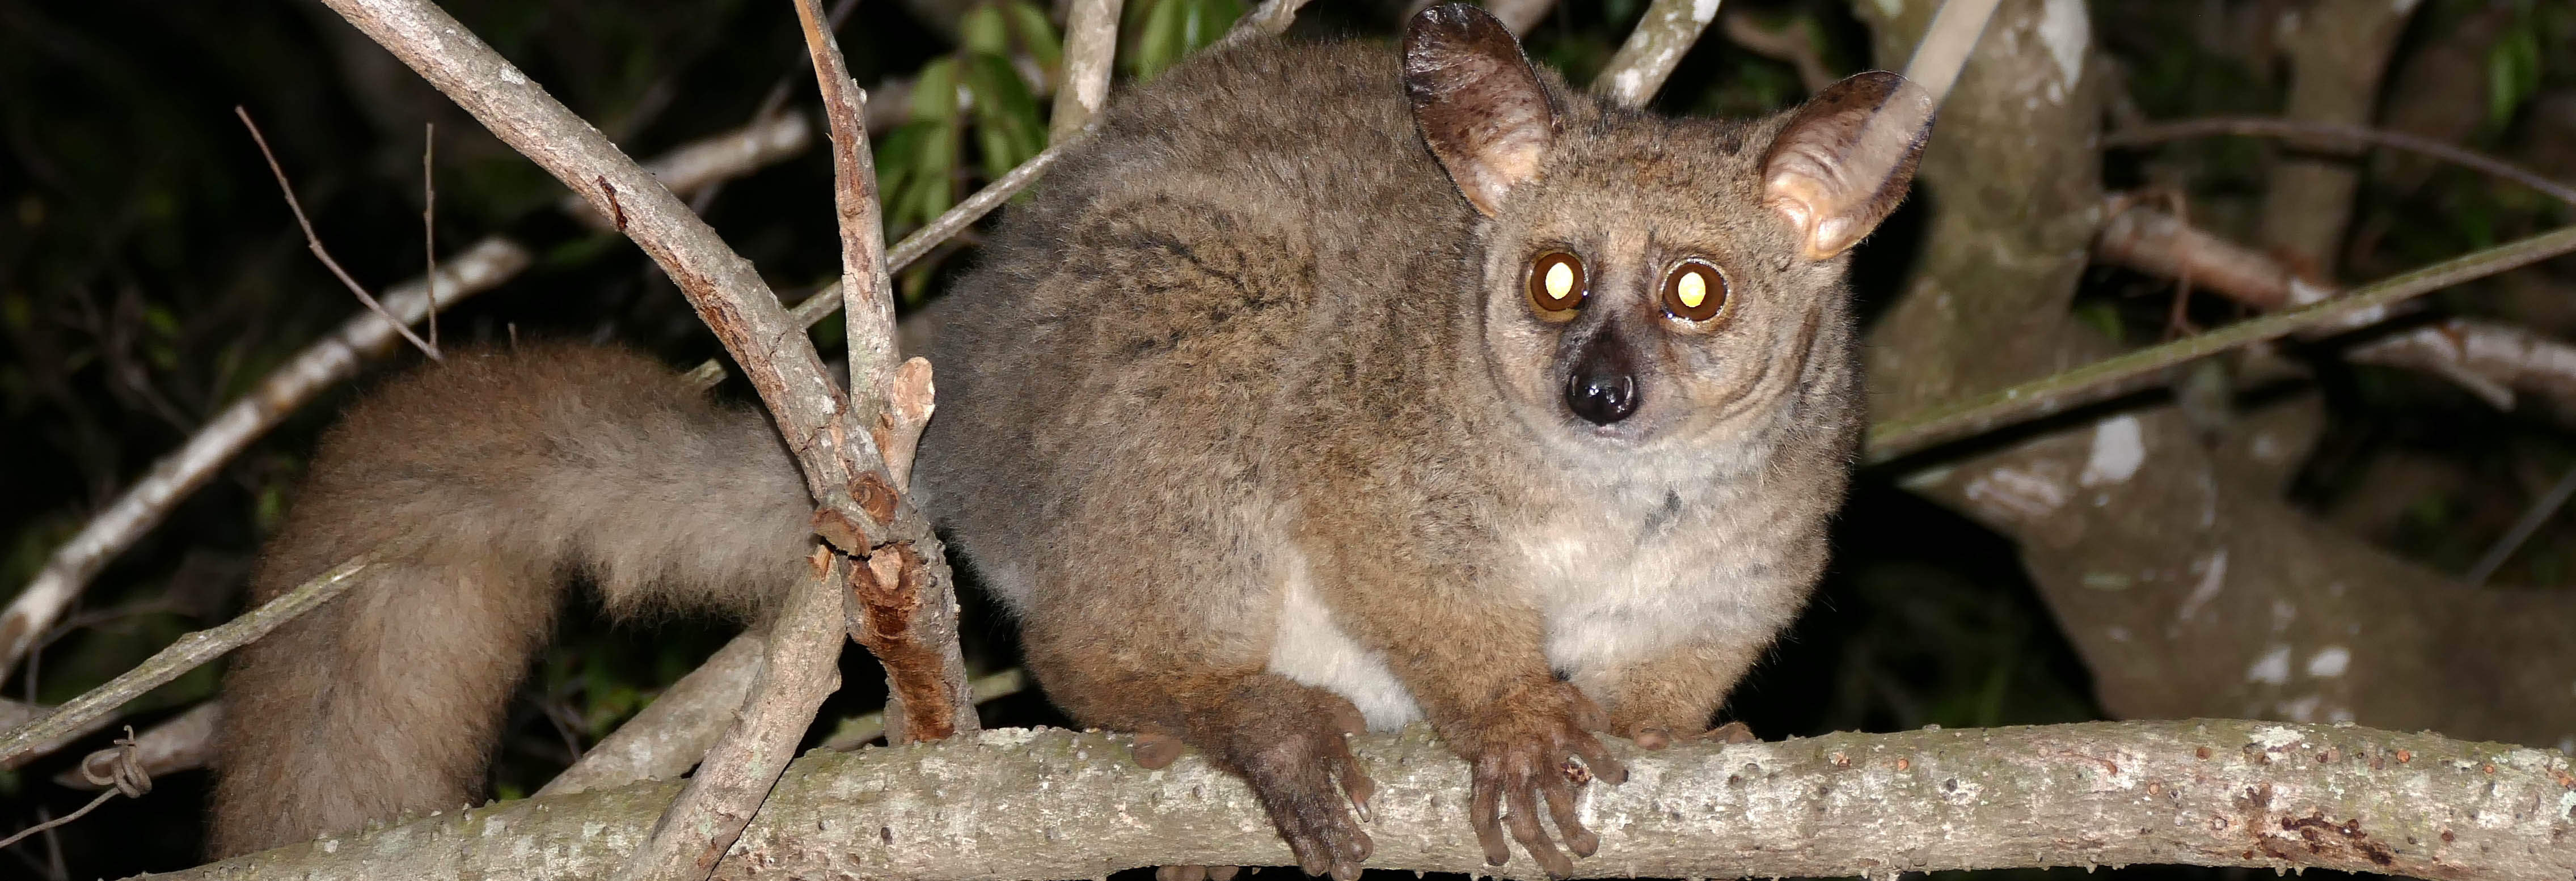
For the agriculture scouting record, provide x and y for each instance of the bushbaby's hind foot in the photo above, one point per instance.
(1289, 742)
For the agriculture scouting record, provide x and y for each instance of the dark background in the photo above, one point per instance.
(150, 273)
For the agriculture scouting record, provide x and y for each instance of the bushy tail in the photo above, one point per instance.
(481, 485)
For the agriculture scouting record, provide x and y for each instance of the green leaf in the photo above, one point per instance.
(982, 30)
(1158, 42)
(2513, 71)
(934, 93)
(1036, 33)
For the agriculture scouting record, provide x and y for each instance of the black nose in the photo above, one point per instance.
(1601, 393)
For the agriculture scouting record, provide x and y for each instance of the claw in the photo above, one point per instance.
(1731, 732)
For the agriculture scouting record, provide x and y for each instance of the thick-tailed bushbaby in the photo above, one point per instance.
(1325, 384)
(1330, 377)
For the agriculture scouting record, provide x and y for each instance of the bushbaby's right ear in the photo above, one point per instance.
(1477, 100)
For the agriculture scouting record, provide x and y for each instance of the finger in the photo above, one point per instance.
(1597, 757)
(1223, 873)
(1484, 812)
(1310, 851)
(1523, 821)
(1180, 873)
(1355, 782)
(1569, 825)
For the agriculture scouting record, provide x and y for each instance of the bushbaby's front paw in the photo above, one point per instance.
(1522, 754)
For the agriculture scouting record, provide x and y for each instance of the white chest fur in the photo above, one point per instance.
(1620, 582)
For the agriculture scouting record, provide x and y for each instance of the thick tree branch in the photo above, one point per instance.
(1059, 804)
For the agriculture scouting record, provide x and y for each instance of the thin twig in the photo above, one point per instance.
(57, 821)
(2300, 129)
(2532, 519)
(2111, 377)
(324, 363)
(313, 242)
(125, 776)
(1270, 19)
(181, 656)
(1794, 43)
(1653, 50)
(1944, 51)
(429, 221)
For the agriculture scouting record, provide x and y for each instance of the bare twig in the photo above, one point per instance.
(1062, 804)
(125, 775)
(1946, 44)
(429, 220)
(857, 731)
(675, 730)
(2490, 360)
(321, 365)
(700, 165)
(2316, 132)
(1794, 43)
(185, 741)
(1090, 44)
(1653, 50)
(2532, 519)
(1519, 16)
(1270, 19)
(479, 268)
(2111, 377)
(798, 670)
(313, 242)
(180, 657)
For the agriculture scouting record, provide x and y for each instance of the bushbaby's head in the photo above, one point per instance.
(1650, 281)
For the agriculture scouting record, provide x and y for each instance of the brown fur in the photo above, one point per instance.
(482, 485)
(1251, 397)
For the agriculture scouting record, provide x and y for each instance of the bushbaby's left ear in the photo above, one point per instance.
(1843, 161)
(1477, 101)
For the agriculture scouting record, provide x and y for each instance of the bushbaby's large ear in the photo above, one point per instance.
(1477, 100)
(1845, 158)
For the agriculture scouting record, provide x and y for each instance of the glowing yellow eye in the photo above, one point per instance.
(1556, 284)
(1692, 289)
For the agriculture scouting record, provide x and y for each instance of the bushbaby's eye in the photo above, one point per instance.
(1694, 290)
(1556, 283)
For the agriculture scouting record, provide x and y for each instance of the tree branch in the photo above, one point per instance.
(180, 657)
(676, 730)
(1060, 804)
(2488, 359)
(321, 365)
(2112, 377)
(1090, 44)
(1653, 50)
(2309, 130)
